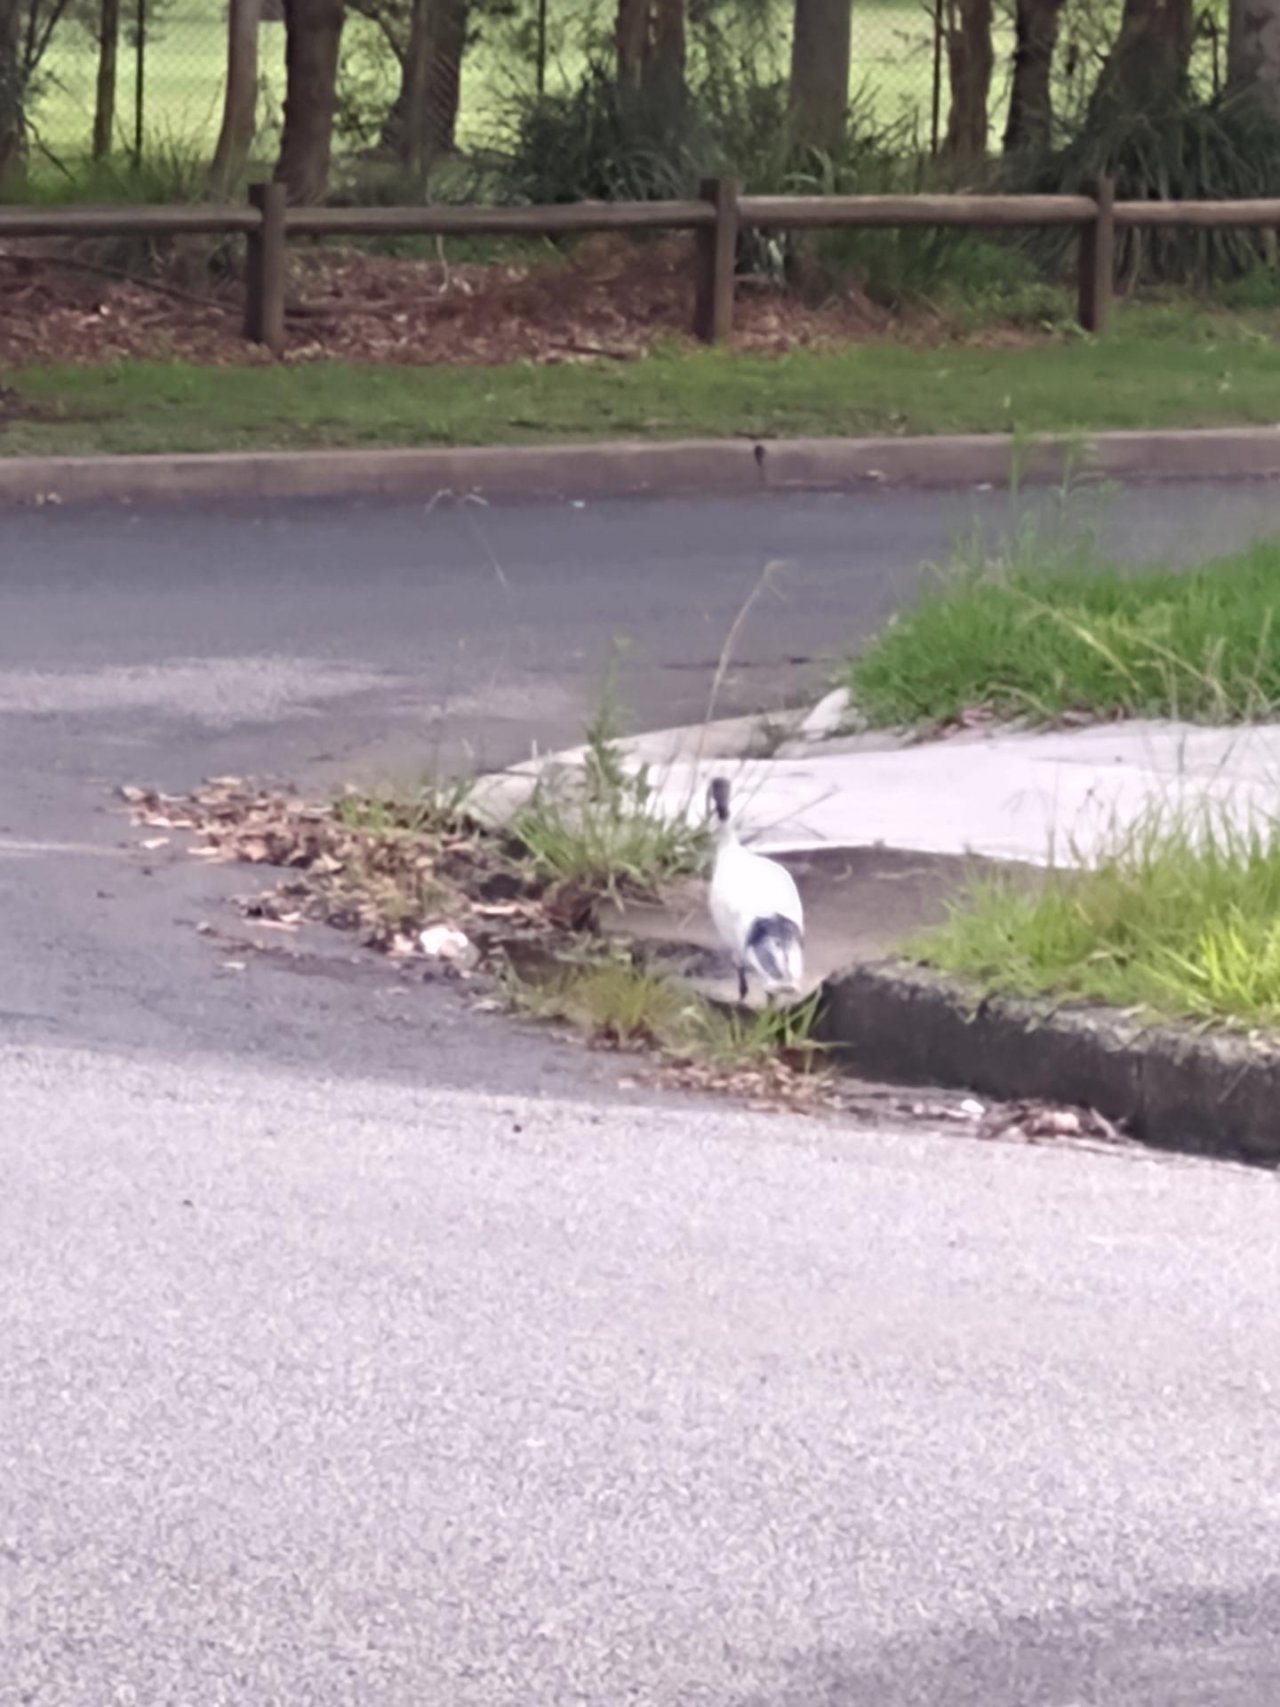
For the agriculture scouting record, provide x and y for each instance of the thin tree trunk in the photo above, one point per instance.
(1030, 122)
(391, 136)
(970, 61)
(313, 37)
(664, 70)
(1147, 68)
(397, 128)
(13, 129)
(821, 42)
(631, 39)
(1253, 52)
(104, 108)
(240, 100)
(432, 80)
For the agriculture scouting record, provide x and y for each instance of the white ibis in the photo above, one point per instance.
(755, 906)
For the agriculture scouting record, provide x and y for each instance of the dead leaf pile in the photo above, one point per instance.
(781, 1084)
(384, 882)
(1032, 1122)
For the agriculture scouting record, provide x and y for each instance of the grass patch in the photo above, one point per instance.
(603, 831)
(433, 808)
(616, 1003)
(1041, 642)
(1179, 918)
(1165, 367)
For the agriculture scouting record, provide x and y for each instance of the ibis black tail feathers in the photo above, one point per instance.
(775, 948)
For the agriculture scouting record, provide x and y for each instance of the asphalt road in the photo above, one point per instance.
(362, 1349)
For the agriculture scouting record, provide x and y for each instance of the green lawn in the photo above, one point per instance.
(1140, 377)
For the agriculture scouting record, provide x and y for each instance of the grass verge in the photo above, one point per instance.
(1041, 642)
(1180, 918)
(1191, 371)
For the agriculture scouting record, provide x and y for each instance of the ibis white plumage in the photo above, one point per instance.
(755, 906)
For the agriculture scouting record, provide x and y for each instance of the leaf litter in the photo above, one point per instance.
(605, 298)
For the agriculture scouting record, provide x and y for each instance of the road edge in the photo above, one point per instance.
(1175, 1088)
(627, 468)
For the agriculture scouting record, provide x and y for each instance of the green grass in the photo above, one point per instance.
(601, 830)
(613, 1001)
(1209, 374)
(1179, 918)
(1027, 641)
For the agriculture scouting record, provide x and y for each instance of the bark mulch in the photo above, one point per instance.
(608, 299)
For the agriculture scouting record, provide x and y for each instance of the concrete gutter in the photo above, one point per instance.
(689, 467)
(1173, 1086)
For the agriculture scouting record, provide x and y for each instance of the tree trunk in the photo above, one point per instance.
(240, 101)
(104, 108)
(1147, 67)
(313, 37)
(631, 40)
(1253, 52)
(1030, 122)
(665, 66)
(970, 61)
(649, 38)
(13, 128)
(819, 96)
(432, 81)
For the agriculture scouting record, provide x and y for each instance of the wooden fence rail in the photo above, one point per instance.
(715, 218)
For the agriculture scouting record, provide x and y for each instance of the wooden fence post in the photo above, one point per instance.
(265, 269)
(716, 249)
(1098, 260)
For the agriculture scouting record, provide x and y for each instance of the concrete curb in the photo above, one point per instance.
(689, 467)
(1213, 1094)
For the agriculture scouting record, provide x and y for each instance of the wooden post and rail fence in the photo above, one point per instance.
(715, 217)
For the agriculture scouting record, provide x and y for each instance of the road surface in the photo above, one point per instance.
(362, 1349)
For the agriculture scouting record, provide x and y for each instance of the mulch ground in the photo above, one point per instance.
(609, 298)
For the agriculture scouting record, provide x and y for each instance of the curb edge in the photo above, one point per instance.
(628, 468)
(1203, 1093)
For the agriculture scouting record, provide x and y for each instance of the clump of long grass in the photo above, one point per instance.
(1178, 916)
(617, 1002)
(1029, 635)
(604, 827)
(1173, 148)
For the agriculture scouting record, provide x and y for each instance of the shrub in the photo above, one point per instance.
(1221, 150)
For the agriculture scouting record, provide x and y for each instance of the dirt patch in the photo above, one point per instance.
(608, 299)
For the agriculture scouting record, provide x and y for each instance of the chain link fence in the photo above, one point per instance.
(164, 97)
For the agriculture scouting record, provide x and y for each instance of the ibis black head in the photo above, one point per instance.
(718, 798)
